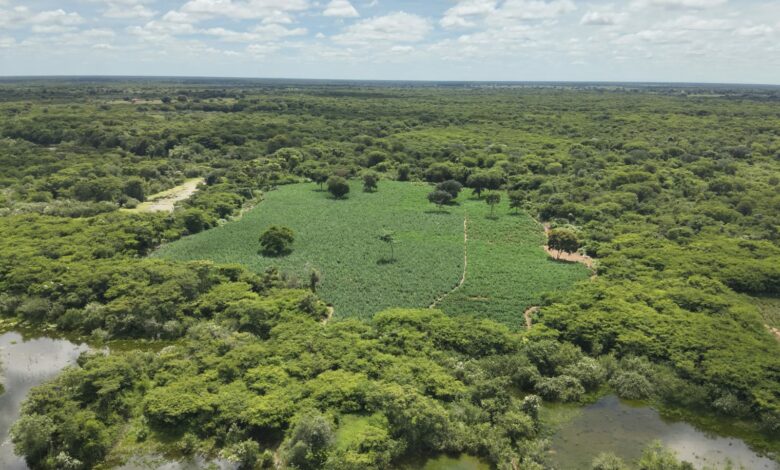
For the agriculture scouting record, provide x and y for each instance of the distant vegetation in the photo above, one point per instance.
(674, 194)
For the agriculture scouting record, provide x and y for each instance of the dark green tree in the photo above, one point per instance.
(563, 241)
(451, 186)
(516, 199)
(440, 198)
(276, 240)
(484, 180)
(370, 181)
(492, 199)
(338, 186)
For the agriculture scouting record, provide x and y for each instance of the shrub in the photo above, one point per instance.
(561, 388)
(631, 385)
(276, 240)
(338, 186)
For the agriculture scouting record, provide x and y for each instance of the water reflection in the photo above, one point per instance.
(610, 425)
(25, 364)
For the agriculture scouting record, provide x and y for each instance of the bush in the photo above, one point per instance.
(276, 241)
(608, 461)
(562, 388)
(631, 385)
(338, 186)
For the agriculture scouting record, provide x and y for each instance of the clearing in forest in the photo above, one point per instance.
(166, 200)
(507, 268)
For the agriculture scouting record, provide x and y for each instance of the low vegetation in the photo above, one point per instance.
(507, 272)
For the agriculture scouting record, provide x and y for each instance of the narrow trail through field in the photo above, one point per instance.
(460, 283)
(528, 315)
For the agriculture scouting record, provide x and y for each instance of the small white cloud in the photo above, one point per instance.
(534, 9)
(601, 18)
(199, 10)
(679, 4)
(341, 9)
(395, 27)
(757, 30)
(465, 13)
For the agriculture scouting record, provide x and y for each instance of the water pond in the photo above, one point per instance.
(611, 425)
(25, 364)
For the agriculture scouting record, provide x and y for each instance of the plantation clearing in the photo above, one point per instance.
(507, 268)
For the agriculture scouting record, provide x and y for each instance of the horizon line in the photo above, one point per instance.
(370, 80)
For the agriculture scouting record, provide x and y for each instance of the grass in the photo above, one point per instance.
(770, 310)
(507, 270)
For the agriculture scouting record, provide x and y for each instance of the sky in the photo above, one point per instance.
(716, 41)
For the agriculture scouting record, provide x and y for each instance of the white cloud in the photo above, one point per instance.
(757, 30)
(126, 9)
(533, 9)
(259, 33)
(392, 28)
(695, 23)
(341, 9)
(128, 12)
(602, 18)
(681, 4)
(197, 10)
(7, 42)
(463, 14)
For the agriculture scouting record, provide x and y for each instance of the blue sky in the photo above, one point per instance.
(630, 40)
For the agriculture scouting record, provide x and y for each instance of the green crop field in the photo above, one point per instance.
(507, 268)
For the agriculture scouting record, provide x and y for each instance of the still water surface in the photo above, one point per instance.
(611, 425)
(26, 364)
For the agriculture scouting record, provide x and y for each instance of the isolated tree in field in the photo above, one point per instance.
(563, 240)
(370, 181)
(276, 240)
(440, 198)
(319, 176)
(451, 186)
(314, 280)
(484, 180)
(389, 238)
(516, 199)
(492, 200)
(338, 186)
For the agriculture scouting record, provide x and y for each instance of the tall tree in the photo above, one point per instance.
(492, 199)
(563, 241)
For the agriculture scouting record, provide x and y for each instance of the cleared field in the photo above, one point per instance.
(507, 268)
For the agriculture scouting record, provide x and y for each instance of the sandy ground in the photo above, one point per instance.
(166, 200)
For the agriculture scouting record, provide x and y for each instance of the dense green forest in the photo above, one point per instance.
(673, 192)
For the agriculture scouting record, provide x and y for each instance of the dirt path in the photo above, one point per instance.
(528, 315)
(774, 331)
(166, 200)
(331, 310)
(465, 264)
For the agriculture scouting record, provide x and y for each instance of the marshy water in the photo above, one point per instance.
(25, 364)
(610, 425)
